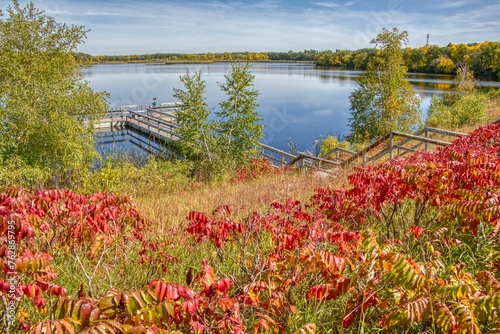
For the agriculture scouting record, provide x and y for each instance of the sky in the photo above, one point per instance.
(125, 27)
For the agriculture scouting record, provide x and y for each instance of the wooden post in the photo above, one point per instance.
(391, 141)
(426, 143)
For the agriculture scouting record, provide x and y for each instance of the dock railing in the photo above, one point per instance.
(393, 144)
(153, 126)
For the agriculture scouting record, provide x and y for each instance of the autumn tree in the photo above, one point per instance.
(332, 142)
(46, 108)
(385, 101)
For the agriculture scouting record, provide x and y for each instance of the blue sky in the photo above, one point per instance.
(150, 26)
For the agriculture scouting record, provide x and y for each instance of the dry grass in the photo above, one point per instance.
(171, 209)
(493, 109)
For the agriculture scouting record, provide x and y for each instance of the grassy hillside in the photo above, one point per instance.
(408, 245)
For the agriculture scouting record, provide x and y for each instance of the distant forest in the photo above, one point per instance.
(482, 58)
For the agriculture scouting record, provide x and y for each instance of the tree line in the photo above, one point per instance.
(306, 55)
(482, 58)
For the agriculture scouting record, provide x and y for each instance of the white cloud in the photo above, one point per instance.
(128, 27)
(332, 4)
(454, 4)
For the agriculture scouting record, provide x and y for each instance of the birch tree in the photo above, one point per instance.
(385, 101)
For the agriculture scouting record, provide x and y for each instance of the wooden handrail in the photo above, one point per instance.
(339, 150)
(160, 113)
(390, 136)
(277, 151)
(421, 132)
(366, 149)
(159, 121)
(442, 132)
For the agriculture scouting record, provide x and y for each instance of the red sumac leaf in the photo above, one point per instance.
(417, 231)
(199, 217)
(223, 285)
(223, 210)
(348, 320)
(332, 264)
(197, 327)
(31, 290)
(190, 306)
(330, 290)
(85, 312)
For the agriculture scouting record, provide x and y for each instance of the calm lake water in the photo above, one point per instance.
(299, 103)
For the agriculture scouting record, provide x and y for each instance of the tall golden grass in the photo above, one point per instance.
(170, 208)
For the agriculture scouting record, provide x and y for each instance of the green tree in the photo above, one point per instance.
(385, 101)
(239, 128)
(46, 108)
(196, 130)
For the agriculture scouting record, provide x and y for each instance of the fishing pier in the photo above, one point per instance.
(147, 128)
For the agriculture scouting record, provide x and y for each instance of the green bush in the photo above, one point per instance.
(124, 176)
(14, 171)
(454, 111)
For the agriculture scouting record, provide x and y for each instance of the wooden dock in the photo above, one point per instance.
(159, 123)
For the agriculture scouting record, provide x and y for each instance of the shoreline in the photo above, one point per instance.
(188, 62)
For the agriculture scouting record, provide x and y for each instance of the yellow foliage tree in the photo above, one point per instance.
(446, 65)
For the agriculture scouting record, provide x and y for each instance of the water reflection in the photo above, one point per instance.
(299, 103)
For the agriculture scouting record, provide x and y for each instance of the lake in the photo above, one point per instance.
(299, 103)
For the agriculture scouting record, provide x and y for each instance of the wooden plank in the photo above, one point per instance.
(422, 139)
(339, 149)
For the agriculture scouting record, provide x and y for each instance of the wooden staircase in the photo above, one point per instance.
(392, 145)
